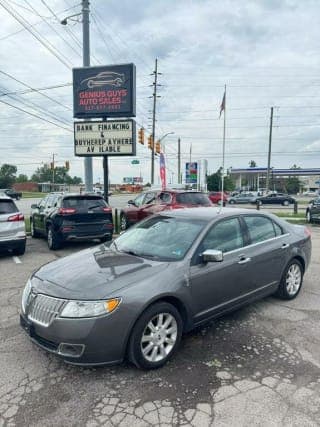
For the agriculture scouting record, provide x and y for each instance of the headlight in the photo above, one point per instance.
(25, 295)
(89, 308)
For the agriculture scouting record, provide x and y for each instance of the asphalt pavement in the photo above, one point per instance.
(258, 366)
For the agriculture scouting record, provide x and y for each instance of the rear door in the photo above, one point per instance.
(268, 250)
(315, 209)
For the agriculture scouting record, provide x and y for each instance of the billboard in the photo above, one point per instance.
(108, 138)
(191, 173)
(105, 91)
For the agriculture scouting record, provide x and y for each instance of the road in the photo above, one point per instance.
(257, 366)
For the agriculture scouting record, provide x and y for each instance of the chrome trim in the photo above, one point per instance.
(43, 309)
(256, 244)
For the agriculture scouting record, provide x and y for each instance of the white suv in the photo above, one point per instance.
(12, 227)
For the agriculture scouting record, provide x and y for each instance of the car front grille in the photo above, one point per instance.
(44, 309)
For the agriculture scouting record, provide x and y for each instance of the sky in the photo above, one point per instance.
(266, 52)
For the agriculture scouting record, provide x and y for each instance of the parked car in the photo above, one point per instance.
(242, 198)
(275, 198)
(215, 197)
(165, 276)
(65, 217)
(155, 201)
(313, 211)
(12, 227)
(11, 193)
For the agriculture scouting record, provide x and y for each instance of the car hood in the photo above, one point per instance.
(93, 274)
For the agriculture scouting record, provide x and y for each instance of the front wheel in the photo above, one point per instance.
(232, 202)
(155, 336)
(123, 222)
(291, 281)
(54, 242)
(285, 203)
(309, 217)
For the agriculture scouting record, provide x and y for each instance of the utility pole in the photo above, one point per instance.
(88, 180)
(179, 161)
(269, 151)
(154, 95)
(52, 171)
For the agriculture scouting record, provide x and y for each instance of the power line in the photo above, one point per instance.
(34, 115)
(26, 25)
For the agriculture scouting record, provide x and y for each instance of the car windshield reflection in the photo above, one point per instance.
(161, 238)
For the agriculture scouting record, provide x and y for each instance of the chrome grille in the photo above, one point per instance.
(44, 309)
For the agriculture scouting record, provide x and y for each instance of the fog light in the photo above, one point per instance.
(71, 350)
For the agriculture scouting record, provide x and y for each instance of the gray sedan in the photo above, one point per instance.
(163, 277)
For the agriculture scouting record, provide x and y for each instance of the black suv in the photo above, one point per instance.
(11, 193)
(65, 217)
(313, 211)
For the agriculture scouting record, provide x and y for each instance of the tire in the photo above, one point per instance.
(161, 347)
(285, 203)
(54, 242)
(232, 202)
(291, 281)
(105, 239)
(34, 233)
(309, 217)
(20, 250)
(124, 225)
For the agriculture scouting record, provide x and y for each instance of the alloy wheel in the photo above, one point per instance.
(159, 337)
(293, 279)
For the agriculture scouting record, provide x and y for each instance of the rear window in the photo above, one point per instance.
(86, 202)
(7, 207)
(193, 199)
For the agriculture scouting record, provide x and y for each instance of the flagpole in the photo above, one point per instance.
(223, 142)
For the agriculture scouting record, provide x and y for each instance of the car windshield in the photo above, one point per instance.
(162, 237)
(193, 199)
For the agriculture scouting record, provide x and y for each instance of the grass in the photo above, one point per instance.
(32, 194)
(290, 215)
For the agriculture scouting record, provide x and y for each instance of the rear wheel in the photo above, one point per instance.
(291, 281)
(285, 203)
(232, 202)
(54, 242)
(155, 336)
(123, 222)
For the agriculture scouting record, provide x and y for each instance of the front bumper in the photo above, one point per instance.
(88, 341)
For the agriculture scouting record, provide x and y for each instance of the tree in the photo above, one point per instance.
(252, 164)
(214, 182)
(292, 185)
(7, 175)
(22, 178)
(61, 176)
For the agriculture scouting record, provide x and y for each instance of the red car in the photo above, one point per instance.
(152, 202)
(215, 197)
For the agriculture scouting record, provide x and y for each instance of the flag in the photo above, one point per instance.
(223, 104)
(163, 171)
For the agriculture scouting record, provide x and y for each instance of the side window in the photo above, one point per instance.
(138, 200)
(49, 202)
(150, 197)
(225, 236)
(260, 228)
(278, 229)
(165, 197)
(43, 202)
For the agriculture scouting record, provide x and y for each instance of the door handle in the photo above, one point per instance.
(244, 260)
(285, 246)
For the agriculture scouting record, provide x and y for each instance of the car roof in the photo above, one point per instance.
(208, 213)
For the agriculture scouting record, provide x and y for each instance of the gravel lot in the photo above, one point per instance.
(257, 366)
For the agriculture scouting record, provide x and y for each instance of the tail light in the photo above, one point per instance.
(16, 217)
(66, 211)
(108, 210)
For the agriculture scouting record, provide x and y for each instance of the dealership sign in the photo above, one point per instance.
(108, 138)
(106, 91)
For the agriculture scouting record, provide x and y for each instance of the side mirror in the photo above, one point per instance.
(211, 255)
(34, 206)
(131, 202)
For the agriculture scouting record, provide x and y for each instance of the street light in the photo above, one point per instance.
(65, 20)
(164, 136)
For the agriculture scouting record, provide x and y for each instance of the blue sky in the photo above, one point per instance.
(266, 52)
